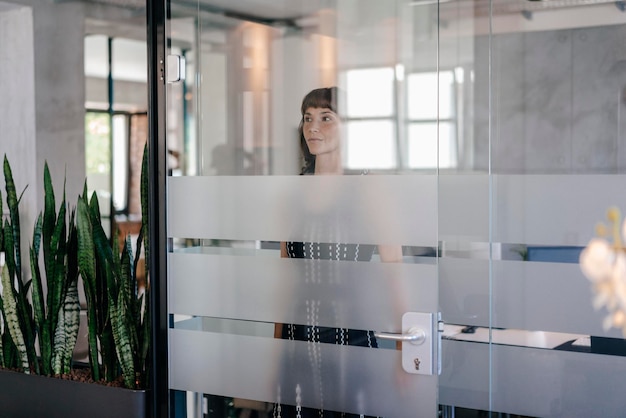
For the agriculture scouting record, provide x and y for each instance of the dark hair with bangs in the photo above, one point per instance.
(324, 98)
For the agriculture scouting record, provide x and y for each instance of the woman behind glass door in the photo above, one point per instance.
(320, 141)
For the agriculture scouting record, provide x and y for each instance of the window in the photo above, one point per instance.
(429, 136)
(115, 122)
(106, 154)
(423, 139)
(371, 134)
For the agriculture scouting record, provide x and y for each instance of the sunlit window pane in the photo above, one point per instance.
(96, 56)
(120, 161)
(130, 60)
(369, 92)
(423, 145)
(371, 145)
(422, 100)
(97, 143)
(98, 158)
(447, 145)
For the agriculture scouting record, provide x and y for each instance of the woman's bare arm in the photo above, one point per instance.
(390, 253)
(278, 328)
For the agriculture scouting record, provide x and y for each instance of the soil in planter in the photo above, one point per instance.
(84, 375)
(81, 375)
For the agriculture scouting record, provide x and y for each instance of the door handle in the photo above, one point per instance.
(175, 68)
(421, 342)
(414, 336)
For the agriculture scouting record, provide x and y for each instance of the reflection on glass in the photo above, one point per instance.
(370, 145)
(425, 89)
(425, 145)
(370, 92)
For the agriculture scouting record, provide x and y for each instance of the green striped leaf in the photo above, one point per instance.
(144, 195)
(10, 307)
(66, 332)
(49, 223)
(14, 215)
(38, 301)
(1, 232)
(71, 311)
(9, 251)
(87, 269)
(57, 254)
(58, 347)
(127, 291)
(118, 312)
(146, 337)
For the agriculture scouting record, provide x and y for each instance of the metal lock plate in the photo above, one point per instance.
(421, 356)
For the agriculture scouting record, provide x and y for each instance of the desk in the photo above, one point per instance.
(536, 339)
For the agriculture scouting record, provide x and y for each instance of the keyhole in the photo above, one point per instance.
(417, 363)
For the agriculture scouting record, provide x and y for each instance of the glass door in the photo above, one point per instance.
(377, 208)
(302, 207)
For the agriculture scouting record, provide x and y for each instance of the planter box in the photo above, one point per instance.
(28, 396)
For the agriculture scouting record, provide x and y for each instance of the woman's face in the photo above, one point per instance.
(321, 131)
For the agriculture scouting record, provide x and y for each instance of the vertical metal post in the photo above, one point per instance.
(157, 156)
(111, 113)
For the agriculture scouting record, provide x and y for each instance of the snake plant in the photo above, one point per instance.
(118, 317)
(39, 336)
(52, 322)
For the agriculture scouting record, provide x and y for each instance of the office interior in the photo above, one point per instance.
(483, 137)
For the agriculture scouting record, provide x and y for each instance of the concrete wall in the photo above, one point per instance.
(60, 94)
(17, 109)
(49, 73)
(558, 101)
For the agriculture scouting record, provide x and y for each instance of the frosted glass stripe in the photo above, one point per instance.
(341, 378)
(532, 382)
(371, 209)
(553, 209)
(464, 208)
(464, 291)
(528, 209)
(357, 295)
(544, 296)
(553, 297)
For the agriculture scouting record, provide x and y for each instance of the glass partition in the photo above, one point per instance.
(557, 165)
(457, 169)
(302, 207)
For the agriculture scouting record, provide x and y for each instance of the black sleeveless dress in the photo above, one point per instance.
(320, 251)
(316, 334)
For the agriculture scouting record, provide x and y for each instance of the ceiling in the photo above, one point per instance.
(272, 10)
(227, 13)
(265, 10)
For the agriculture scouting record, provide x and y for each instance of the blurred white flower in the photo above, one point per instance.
(596, 260)
(618, 277)
(604, 264)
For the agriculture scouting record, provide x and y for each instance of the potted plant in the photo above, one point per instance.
(40, 311)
